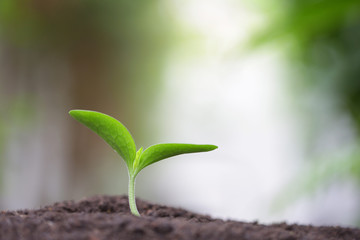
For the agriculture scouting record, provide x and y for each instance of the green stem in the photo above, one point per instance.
(132, 202)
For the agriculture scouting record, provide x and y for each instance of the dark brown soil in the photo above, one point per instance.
(108, 217)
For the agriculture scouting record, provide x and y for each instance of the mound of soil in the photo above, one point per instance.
(108, 217)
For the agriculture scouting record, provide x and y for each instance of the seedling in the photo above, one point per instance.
(120, 139)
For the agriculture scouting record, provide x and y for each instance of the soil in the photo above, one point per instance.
(108, 218)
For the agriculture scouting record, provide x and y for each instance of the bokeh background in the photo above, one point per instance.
(275, 84)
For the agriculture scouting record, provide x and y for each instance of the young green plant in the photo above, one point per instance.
(120, 139)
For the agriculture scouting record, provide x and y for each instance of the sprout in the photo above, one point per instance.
(120, 139)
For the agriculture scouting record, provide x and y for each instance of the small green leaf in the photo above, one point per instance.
(159, 152)
(111, 130)
(137, 158)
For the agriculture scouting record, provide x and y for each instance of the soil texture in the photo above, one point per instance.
(108, 218)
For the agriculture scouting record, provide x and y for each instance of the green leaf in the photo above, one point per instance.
(111, 130)
(159, 152)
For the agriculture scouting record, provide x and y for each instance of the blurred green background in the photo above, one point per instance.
(321, 42)
(276, 84)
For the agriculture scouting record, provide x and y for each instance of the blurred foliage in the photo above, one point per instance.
(127, 41)
(105, 55)
(321, 39)
(18, 112)
(69, 23)
(137, 31)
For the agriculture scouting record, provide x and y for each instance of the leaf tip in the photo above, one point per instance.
(75, 113)
(212, 147)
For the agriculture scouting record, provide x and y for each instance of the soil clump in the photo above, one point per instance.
(109, 218)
